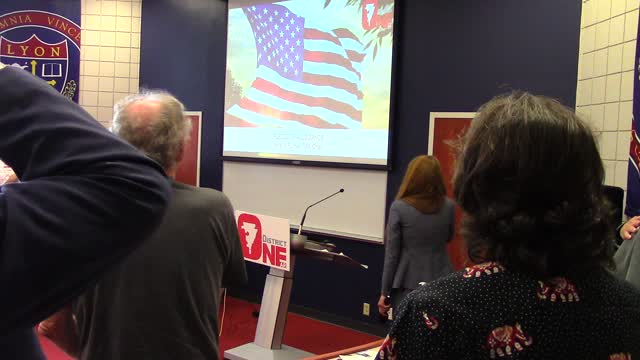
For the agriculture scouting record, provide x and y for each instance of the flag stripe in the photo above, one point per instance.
(332, 59)
(263, 120)
(233, 121)
(315, 34)
(354, 52)
(355, 56)
(328, 47)
(311, 67)
(310, 120)
(345, 33)
(322, 102)
(333, 117)
(328, 90)
(352, 45)
(329, 80)
(340, 46)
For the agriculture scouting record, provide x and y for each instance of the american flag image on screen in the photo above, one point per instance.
(306, 76)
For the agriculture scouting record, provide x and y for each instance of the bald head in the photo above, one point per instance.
(154, 122)
(146, 110)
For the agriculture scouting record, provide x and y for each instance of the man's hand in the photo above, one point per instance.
(630, 228)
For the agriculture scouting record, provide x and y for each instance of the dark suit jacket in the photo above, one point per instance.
(86, 200)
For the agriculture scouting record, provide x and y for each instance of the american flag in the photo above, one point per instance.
(306, 76)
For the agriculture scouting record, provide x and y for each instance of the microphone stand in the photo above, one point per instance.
(304, 216)
(297, 240)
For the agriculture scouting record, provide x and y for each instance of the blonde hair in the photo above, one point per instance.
(423, 185)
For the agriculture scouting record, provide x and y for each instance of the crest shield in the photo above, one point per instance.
(45, 60)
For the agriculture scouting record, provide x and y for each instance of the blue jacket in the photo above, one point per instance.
(86, 199)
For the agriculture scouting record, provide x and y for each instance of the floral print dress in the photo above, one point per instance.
(489, 312)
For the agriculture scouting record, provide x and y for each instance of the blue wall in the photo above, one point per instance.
(183, 50)
(453, 55)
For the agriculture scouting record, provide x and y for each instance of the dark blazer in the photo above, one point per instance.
(86, 199)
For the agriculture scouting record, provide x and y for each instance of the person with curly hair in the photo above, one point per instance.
(538, 230)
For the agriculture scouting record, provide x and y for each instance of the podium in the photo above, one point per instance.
(267, 344)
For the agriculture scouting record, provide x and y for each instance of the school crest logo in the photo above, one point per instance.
(46, 45)
(48, 61)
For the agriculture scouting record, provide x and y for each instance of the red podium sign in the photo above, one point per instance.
(265, 239)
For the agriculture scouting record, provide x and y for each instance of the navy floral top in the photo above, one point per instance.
(488, 312)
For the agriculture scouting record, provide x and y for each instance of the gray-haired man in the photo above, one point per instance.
(162, 303)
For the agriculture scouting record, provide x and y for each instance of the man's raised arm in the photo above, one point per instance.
(86, 199)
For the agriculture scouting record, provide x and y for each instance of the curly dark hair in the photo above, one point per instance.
(530, 181)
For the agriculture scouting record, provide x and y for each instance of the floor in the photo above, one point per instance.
(239, 328)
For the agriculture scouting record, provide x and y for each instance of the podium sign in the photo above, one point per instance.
(265, 239)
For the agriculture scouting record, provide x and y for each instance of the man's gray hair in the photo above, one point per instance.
(160, 134)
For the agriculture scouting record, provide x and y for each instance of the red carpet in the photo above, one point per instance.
(239, 328)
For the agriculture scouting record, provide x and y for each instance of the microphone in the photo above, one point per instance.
(304, 216)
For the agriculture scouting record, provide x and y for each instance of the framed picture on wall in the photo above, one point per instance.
(189, 167)
(444, 128)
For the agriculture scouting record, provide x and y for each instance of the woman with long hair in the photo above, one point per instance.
(420, 225)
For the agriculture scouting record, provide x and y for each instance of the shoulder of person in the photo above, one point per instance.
(212, 197)
(440, 288)
(438, 298)
(465, 285)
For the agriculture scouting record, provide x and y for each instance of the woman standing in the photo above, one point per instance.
(420, 225)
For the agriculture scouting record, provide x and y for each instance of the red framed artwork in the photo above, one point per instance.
(444, 128)
(189, 167)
